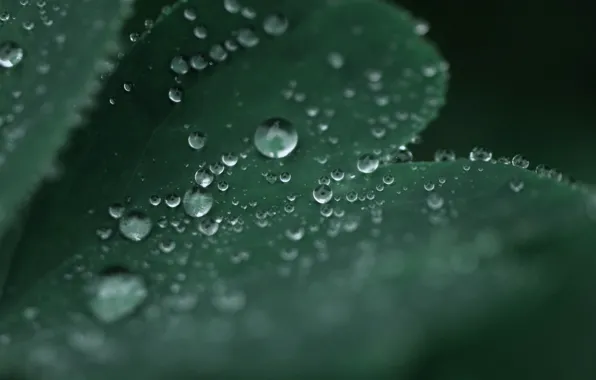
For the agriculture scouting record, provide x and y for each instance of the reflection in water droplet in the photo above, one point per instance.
(197, 140)
(135, 225)
(208, 226)
(116, 295)
(175, 94)
(520, 161)
(480, 154)
(203, 177)
(276, 138)
(367, 163)
(11, 54)
(197, 202)
(322, 194)
(179, 65)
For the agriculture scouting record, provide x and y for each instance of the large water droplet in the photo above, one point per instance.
(197, 202)
(276, 138)
(11, 54)
(135, 225)
(116, 294)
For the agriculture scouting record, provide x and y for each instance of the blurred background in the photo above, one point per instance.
(523, 80)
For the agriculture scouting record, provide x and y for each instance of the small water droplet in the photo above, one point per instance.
(516, 185)
(197, 140)
(203, 177)
(197, 202)
(322, 194)
(480, 154)
(276, 24)
(443, 155)
(367, 163)
(520, 161)
(285, 177)
(179, 65)
(247, 38)
(208, 226)
(175, 94)
(135, 225)
(276, 138)
(435, 201)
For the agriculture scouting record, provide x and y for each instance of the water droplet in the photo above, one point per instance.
(435, 201)
(443, 155)
(520, 161)
(197, 140)
(179, 65)
(197, 202)
(285, 177)
(135, 225)
(367, 163)
(276, 138)
(480, 154)
(116, 210)
(11, 54)
(336, 60)
(175, 94)
(247, 38)
(203, 177)
(200, 32)
(229, 159)
(337, 174)
(516, 185)
(208, 226)
(322, 194)
(198, 62)
(190, 14)
(232, 6)
(116, 294)
(275, 25)
(172, 200)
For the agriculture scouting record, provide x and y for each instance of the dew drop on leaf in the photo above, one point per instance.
(285, 177)
(197, 140)
(247, 38)
(116, 294)
(175, 94)
(203, 177)
(276, 138)
(322, 194)
(11, 54)
(520, 161)
(179, 65)
(444, 155)
(275, 24)
(197, 202)
(208, 226)
(135, 225)
(480, 154)
(367, 163)
(516, 185)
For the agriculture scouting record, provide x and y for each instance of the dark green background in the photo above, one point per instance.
(523, 79)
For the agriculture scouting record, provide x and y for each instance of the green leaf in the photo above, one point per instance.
(49, 53)
(269, 280)
(138, 147)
